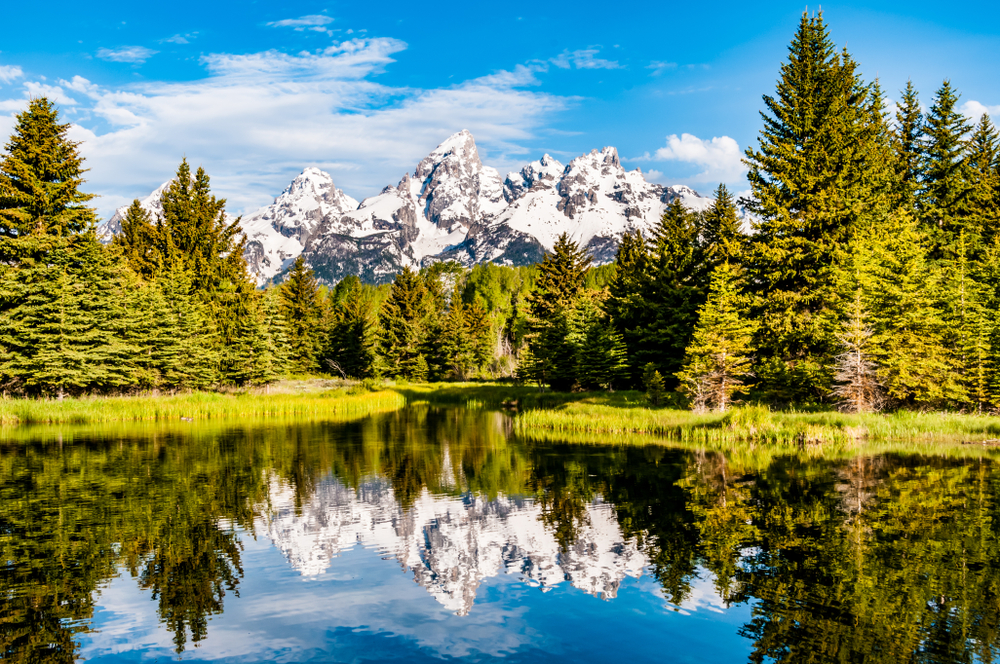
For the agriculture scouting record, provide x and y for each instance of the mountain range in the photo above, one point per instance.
(451, 207)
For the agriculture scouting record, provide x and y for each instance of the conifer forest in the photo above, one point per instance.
(861, 273)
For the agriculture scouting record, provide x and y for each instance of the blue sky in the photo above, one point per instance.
(256, 91)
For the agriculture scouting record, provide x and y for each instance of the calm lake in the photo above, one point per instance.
(438, 534)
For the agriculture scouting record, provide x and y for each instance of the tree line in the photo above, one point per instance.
(869, 275)
(863, 275)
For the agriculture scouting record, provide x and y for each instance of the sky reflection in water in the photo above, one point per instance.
(434, 534)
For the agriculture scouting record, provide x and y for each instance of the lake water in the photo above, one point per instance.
(437, 534)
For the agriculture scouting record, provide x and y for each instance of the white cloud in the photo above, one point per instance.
(177, 39)
(255, 120)
(975, 110)
(134, 54)
(720, 157)
(53, 92)
(583, 59)
(302, 22)
(10, 73)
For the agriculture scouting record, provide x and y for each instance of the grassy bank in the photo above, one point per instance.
(626, 415)
(327, 403)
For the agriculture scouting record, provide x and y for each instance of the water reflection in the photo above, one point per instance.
(882, 559)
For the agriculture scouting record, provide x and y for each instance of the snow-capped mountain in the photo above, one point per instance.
(451, 544)
(451, 207)
(277, 234)
(151, 204)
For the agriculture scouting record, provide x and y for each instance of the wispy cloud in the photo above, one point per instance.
(255, 120)
(720, 157)
(179, 39)
(10, 73)
(133, 54)
(585, 58)
(659, 67)
(302, 22)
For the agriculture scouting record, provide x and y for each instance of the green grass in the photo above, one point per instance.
(335, 403)
(620, 414)
(628, 413)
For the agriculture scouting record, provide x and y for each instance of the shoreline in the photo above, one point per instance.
(533, 411)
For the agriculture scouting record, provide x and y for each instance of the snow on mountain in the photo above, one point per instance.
(593, 199)
(451, 207)
(151, 204)
(451, 544)
(277, 234)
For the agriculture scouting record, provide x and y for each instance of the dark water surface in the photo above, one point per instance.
(436, 534)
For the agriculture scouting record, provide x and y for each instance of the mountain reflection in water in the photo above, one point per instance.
(888, 558)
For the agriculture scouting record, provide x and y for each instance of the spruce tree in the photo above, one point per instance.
(40, 178)
(279, 346)
(717, 361)
(983, 159)
(902, 291)
(626, 303)
(62, 326)
(908, 141)
(302, 309)
(353, 341)
(825, 160)
(856, 384)
(553, 319)
(943, 197)
(190, 357)
(602, 358)
(721, 235)
(139, 243)
(403, 326)
(677, 286)
(454, 341)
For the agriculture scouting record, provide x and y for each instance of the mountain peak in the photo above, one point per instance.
(459, 148)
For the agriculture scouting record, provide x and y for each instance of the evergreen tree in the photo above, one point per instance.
(902, 290)
(189, 357)
(279, 345)
(250, 361)
(652, 381)
(454, 340)
(717, 361)
(353, 340)
(602, 359)
(626, 303)
(943, 198)
(983, 159)
(61, 326)
(908, 140)
(302, 310)
(138, 241)
(856, 383)
(40, 178)
(403, 323)
(553, 318)
(677, 287)
(196, 234)
(825, 160)
(720, 231)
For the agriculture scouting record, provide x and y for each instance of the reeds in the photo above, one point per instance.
(197, 406)
(759, 424)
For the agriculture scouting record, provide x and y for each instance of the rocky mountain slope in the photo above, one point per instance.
(451, 544)
(452, 207)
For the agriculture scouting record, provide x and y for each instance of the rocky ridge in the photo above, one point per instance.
(451, 544)
(452, 207)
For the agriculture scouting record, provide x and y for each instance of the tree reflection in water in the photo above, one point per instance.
(889, 558)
